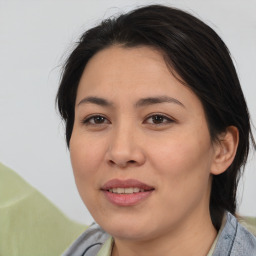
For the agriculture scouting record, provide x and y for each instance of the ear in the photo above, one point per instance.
(225, 150)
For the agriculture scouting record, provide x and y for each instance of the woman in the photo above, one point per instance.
(158, 131)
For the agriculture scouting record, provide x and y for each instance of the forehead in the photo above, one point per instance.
(124, 64)
(130, 73)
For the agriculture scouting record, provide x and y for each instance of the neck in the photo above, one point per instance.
(193, 237)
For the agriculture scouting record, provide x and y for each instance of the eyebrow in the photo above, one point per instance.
(140, 103)
(157, 100)
(96, 100)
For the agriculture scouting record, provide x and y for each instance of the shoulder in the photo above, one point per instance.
(235, 240)
(89, 243)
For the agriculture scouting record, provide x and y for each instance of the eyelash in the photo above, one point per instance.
(87, 120)
(162, 117)
(167, 120)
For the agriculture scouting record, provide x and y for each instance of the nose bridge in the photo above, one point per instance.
(122, 141)
(124, 144)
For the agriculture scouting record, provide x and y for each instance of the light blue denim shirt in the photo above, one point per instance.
(234, 240)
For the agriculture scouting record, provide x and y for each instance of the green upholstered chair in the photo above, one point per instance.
(30, 225)
(249, 223)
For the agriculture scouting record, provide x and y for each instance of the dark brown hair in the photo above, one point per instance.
(199, 57)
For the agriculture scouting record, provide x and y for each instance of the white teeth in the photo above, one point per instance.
(120, 191)
(136, 190)
(126, 190)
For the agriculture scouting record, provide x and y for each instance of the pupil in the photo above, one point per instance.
(98, 119)
(157, 119)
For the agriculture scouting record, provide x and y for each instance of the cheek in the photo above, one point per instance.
(183, 163)
(86, 156)
(84, 160)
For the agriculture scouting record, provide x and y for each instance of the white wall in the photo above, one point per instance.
(35, 36)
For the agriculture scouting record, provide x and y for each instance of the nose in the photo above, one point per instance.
(125, 148)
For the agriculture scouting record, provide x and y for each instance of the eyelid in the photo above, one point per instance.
(166, 117)
(86, 119)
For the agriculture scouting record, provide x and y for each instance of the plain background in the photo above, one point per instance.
(36, 37)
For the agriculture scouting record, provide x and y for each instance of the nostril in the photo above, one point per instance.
(122, 164)
(111, 162)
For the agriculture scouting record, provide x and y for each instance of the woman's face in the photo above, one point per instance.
(140, 148)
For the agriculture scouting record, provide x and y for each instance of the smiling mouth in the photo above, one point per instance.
(128, 186)
(126, 190)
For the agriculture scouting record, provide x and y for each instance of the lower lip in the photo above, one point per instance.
(127, 199)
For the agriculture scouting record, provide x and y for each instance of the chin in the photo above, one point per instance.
(130, 234)
(127, 228)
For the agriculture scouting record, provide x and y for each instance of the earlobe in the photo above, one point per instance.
(225, 150)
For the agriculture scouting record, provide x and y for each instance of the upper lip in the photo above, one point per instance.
(129, 183)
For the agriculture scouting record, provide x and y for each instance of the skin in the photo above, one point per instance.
(174, 155)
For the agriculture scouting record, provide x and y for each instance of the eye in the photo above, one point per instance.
(95, 120)
(158, 119)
